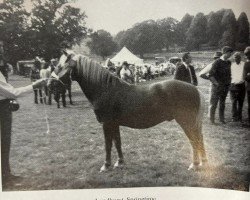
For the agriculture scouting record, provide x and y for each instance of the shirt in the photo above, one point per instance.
(237, 72)
(44, 73)
(7, 91)
(124, 73)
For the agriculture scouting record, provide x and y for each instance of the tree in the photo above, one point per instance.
(167, 31)
(55, 24)
(102, 43)
(242, 36)
(229, 26)
(13, 29)
(182, 29)
(196, 34)
(142, 38)
(214, 28)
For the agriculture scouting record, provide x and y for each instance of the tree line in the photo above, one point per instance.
(197, 32)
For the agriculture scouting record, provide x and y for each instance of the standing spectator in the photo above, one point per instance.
(185, 72)
(126, 73)
(237, 88)
(205, 71)
(246, 76)
(8, 92)
(45, 74)
(220, 76)
(34, 76)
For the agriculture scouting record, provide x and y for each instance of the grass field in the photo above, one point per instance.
(70, 156)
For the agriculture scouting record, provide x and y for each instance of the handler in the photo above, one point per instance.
(8, 92)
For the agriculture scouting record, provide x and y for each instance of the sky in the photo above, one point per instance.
(117, 15)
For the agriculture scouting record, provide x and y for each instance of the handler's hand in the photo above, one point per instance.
(39, 83)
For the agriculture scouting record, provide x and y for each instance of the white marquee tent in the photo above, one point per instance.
(126, 55)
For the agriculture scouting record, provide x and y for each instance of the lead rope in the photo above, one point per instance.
(44, 107)
(45, 111)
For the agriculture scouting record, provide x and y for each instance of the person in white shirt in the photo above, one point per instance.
(8, 92)
(45, 73)
(126, 73)
(237, 88)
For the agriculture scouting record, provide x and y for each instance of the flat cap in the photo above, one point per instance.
(227, 49)
(237, 54)
(247, 51)
(217, 54)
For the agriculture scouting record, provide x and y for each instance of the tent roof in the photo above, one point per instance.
(126, 55)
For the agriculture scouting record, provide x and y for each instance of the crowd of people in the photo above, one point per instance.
(131, 73)
(224, 76)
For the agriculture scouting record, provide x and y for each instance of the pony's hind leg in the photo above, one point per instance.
(199, 153)
(192, 130)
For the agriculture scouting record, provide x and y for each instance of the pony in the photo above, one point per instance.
(117, 103)
(59, 89)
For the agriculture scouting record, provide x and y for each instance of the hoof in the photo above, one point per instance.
(194, 167)
(105, 167)
(119, 164)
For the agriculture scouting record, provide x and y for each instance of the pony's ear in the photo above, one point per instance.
(65, 52)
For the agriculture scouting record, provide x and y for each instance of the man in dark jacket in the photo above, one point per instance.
(185, 72)
(220, 76)
(246, 76)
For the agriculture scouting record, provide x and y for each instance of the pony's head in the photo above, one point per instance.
(64, 68)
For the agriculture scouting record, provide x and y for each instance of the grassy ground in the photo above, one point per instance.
(70, 156)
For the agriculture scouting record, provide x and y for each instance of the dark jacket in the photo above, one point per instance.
(221, 72)
(245, 76)
(186, 75)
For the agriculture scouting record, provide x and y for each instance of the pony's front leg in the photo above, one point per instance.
(107, 129)
(117, 140)
(57, 98)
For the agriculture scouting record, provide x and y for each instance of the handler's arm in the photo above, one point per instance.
(9, 92)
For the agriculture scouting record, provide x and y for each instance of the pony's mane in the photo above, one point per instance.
(95, 74)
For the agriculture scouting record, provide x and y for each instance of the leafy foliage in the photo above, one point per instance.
(55, 25)
(196, 34)
(242, 36)
(13, 25)
(229, 26)
(102, 43)
(52, 25)
(182, 28)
